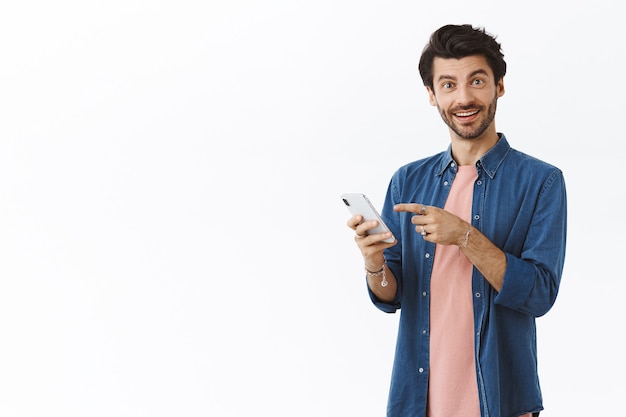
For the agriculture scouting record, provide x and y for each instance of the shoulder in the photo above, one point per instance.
(513, 159)
(422, 166)
(524, 169)
(530, 164)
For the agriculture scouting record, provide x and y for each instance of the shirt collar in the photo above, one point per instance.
(489, 162)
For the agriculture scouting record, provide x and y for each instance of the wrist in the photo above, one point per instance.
(379, 272)
(375, 266)
(465, 237)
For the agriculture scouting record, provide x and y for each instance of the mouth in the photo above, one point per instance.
(466, 115)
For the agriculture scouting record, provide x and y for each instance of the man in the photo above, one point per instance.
(481, 231)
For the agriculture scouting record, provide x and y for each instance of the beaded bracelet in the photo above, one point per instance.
(381, 271)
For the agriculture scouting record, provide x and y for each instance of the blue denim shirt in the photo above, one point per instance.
(519, 203)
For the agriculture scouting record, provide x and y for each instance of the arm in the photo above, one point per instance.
(443, 227)
(372, 247)
(484, 255)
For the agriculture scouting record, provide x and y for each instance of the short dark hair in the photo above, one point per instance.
(460, 41)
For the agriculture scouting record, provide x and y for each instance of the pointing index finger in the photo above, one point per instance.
(410, 208)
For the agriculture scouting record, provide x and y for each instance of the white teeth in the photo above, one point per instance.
(466, 114)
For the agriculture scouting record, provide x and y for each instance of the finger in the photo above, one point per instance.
(407, 207)
(418, 219)
(374, 239)
(411, 208)
(361, 229)
(354, 221)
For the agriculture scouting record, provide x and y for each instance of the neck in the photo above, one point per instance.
(469, 151)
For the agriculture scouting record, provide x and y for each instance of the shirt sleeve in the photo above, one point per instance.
(531, 280)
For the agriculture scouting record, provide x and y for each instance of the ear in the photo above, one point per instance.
(431, 97)
(500, 87)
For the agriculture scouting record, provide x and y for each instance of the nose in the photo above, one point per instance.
(465, 94)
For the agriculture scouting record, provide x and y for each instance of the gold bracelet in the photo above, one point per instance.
(381, 271)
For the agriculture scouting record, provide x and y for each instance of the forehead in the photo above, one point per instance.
(459, 69)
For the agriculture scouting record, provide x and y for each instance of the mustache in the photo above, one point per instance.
(471, 106)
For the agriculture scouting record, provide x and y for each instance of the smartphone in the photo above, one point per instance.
(358, 203)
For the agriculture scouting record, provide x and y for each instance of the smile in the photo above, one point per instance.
(466, 114)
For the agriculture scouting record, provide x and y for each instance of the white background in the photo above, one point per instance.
(172, 242)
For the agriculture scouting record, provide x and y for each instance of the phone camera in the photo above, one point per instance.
(346, 202)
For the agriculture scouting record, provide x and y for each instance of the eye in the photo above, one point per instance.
(478, 81)
(447, 86)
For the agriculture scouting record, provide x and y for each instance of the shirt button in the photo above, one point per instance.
(479, 182)
(476, 217)
(478, 295)
(421, 370)
(427, 255)
(446, 183)
(424, 294)
(424, 331)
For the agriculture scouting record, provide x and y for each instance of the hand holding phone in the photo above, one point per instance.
(359, 204)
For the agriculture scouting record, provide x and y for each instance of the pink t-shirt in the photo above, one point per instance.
(452, 385)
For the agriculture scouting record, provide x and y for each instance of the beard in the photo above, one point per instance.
(468, 132)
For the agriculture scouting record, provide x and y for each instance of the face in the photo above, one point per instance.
(465, 95)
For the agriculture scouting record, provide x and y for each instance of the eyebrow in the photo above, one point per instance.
(472, 74)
